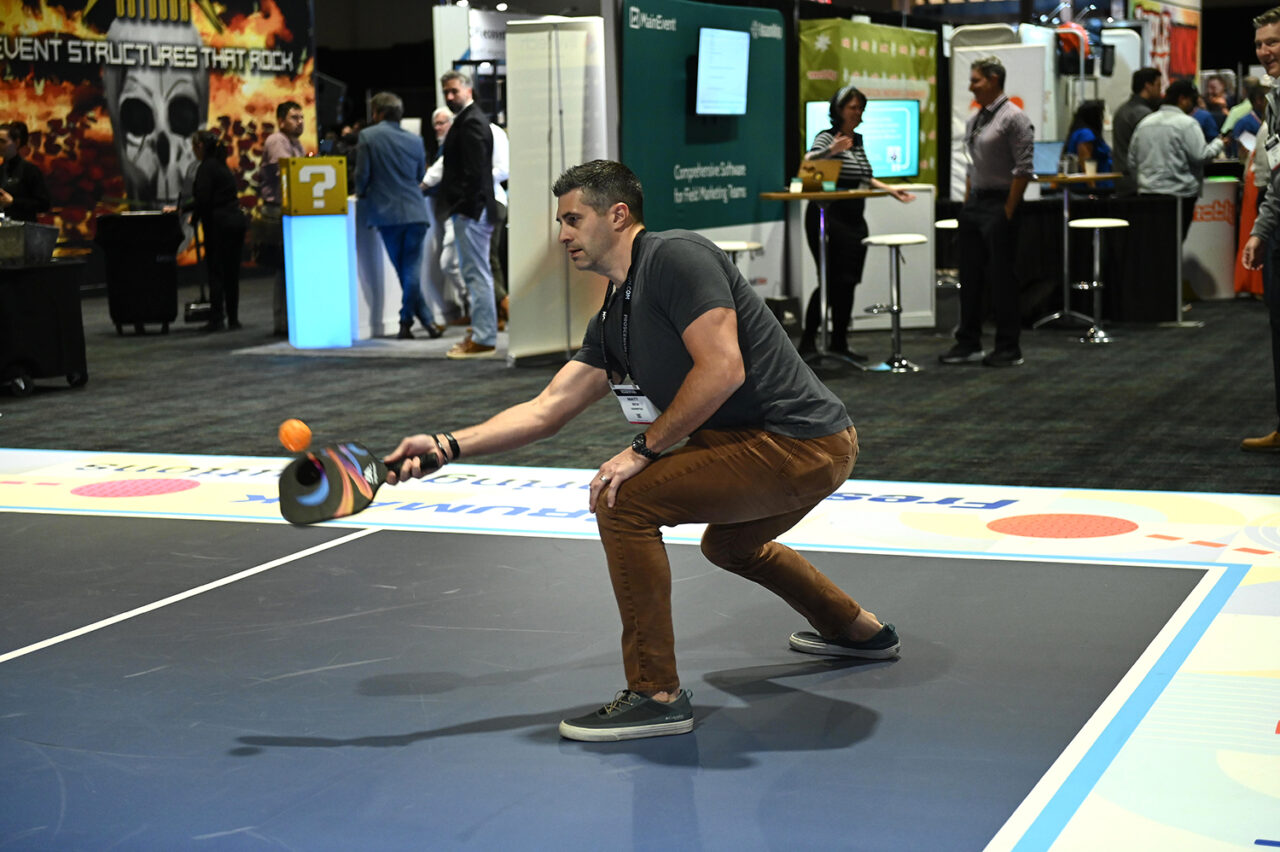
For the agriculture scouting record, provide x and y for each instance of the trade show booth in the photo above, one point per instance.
(712, 105)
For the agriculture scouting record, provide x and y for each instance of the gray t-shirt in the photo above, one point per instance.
(677, 277)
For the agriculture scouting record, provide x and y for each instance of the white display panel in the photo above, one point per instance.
(556, 106)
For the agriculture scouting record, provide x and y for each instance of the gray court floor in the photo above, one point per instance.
(401, 691)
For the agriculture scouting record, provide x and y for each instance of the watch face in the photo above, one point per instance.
(642, 448)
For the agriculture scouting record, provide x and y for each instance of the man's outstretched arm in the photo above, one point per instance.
(573, 388)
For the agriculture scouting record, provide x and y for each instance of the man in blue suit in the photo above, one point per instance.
(390, 162)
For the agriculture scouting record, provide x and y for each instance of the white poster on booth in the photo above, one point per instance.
(488, 34)
(488, 31)
(552, 128)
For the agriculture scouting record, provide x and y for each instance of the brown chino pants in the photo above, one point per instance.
(749, 486)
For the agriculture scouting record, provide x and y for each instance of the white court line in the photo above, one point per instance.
(181, 596)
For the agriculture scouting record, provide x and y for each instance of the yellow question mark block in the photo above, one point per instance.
(314, 186)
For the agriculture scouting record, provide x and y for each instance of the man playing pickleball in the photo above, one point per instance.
(691, 352)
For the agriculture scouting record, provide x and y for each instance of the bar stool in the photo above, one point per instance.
(1096, 333)
(895, 363)
(948, 277)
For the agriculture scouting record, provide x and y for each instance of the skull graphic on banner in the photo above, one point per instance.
(154, 110)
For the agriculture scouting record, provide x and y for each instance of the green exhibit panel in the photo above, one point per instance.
(703, 169)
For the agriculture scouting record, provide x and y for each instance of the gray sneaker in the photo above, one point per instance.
(883, 646)
(632, 716)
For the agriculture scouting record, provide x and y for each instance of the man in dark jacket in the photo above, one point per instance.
(1147, 92)
(466, 197)
(23, 194)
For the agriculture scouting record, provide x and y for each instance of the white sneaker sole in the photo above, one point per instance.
(811, 643)
(634, 732)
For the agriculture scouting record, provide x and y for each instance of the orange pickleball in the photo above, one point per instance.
(295, 435)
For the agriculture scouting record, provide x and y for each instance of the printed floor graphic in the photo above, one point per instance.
(1182, 752)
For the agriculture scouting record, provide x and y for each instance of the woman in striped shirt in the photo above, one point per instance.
(846, 226)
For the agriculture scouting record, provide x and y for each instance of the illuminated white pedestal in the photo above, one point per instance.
(319, 265)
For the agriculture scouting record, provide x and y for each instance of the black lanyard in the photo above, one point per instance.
(628, 289)
(979, 125)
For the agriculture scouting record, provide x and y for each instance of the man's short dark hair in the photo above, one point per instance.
(1271, 16)
(1144, 77)
(283, 110)
(990, 66)
(17, 132)
(604, 183)
(456, 75)
(1180, 89)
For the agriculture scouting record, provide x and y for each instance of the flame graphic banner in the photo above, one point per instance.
(111, 91)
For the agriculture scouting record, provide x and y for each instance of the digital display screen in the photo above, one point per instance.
(722, 72)
(890, 134)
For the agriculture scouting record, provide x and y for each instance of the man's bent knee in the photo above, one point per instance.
(724, 551)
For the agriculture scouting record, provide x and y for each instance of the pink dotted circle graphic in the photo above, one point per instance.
(135, 488)
(1062, 526)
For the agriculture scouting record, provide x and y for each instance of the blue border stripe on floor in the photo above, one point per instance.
(1067, 800)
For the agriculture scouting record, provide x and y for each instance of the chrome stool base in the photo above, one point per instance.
(896, 364)
(1096, 335)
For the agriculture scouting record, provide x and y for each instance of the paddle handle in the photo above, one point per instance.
(427, 461)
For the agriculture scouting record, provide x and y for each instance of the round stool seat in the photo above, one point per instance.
(895, 240)
(731, 246)
(1098, 223)
(947, 224)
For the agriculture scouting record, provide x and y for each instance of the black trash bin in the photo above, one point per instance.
(140, 255)
(41, 332)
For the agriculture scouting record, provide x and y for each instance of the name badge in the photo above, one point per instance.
(636, 407)
(1273, 152)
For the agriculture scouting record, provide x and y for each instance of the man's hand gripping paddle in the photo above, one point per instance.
(333, 482)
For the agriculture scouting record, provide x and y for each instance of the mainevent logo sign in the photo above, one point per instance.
(759, 30)
(640, 20)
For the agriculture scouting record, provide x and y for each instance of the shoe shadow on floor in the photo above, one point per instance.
(769, 716)
(253, 745)
(772, 717)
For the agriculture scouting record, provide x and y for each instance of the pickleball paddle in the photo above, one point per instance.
(334, 481)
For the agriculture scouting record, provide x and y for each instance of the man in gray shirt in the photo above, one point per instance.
(691, 352)
(1000, 142)
(1167, 152)
(284, 142)
(1146, 86)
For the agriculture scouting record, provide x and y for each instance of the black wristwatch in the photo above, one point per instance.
(643, 449)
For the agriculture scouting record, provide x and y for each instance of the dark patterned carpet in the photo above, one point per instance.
(1159, 409)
